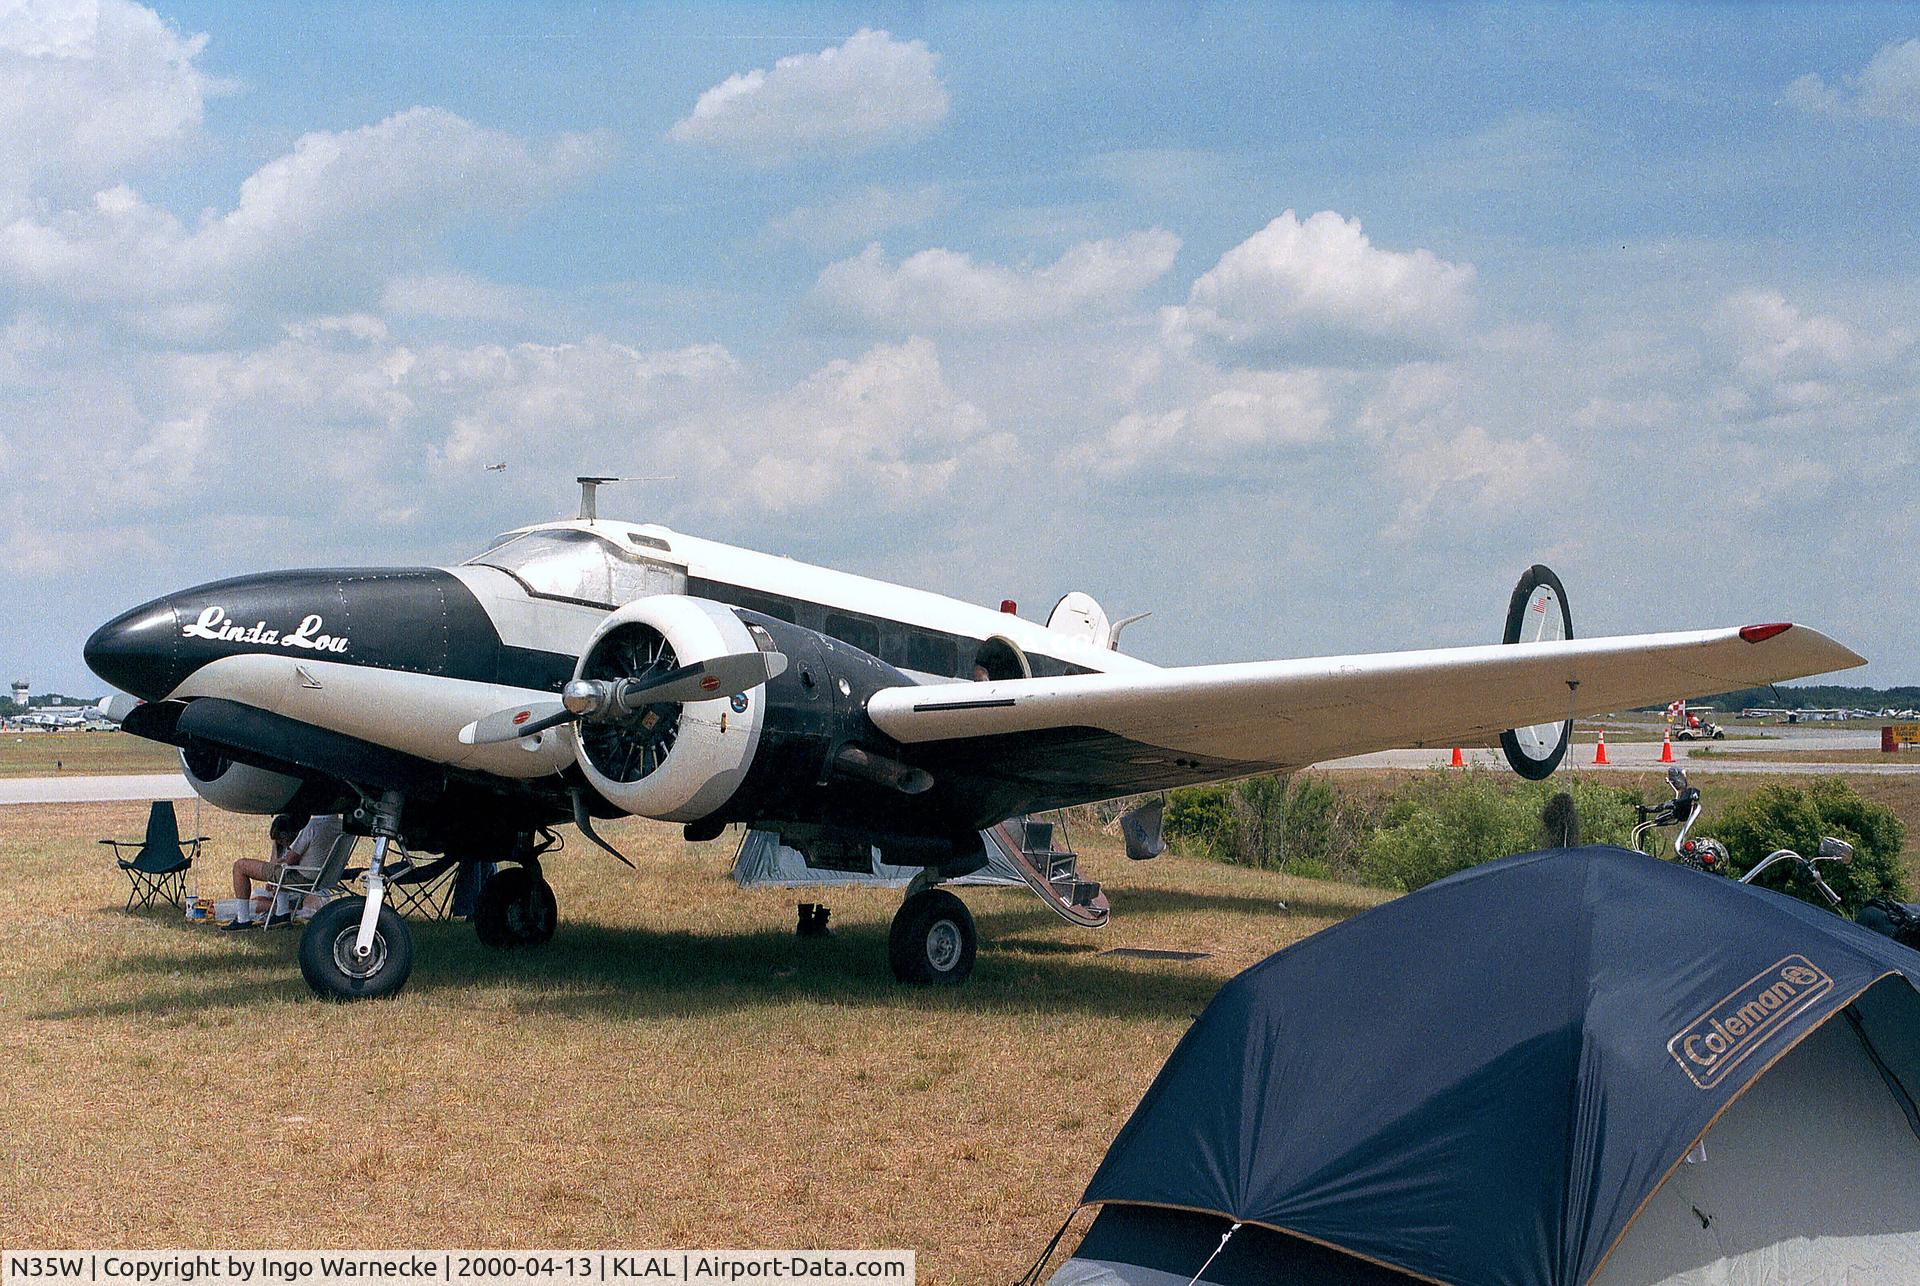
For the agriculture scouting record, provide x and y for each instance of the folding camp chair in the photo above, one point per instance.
(159, 869)
(424, 891)
(295, 885)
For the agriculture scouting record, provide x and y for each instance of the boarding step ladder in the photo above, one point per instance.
(1030, 847)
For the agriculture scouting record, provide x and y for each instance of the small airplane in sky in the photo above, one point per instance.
(588, 669)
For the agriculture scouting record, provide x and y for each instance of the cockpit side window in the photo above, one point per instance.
(581, 567)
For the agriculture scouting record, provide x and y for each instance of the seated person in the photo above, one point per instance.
(300, 843)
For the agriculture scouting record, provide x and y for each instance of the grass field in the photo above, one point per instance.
(675, 1069)
(95, 754)
(1868, 756)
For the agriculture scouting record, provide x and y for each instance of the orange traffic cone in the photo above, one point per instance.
(1600, 748)
(1459, 760)
(1666, 746)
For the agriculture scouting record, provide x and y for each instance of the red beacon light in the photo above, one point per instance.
(1011, 608)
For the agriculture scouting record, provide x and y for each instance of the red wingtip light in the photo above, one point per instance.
(1761, 633)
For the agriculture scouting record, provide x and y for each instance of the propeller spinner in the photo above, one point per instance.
(614, 700)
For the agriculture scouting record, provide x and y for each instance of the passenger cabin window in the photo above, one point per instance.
(931, 654)
(581, 567)
(765, 604)
(863, 634)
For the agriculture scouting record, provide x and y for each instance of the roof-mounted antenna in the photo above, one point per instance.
(590, 487)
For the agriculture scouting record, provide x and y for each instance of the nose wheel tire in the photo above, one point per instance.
(932, 940)
(336, 971)
(516, 909)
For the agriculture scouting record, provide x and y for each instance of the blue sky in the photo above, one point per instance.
(1307, 328)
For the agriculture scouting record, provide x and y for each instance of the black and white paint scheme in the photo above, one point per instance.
(590, 668)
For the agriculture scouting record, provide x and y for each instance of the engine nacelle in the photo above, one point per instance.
(796, 750)
(681, 762)
(238, 788)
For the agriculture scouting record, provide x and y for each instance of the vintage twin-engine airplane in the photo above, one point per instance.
(589, 668)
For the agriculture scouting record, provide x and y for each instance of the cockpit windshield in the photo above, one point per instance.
(579, 566)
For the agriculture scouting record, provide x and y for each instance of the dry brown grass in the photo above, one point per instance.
(82, 754)
(675, 1069)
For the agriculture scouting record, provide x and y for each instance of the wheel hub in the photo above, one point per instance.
(350, 962)
(943, 945)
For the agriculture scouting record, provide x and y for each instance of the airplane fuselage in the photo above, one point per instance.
(316, 675)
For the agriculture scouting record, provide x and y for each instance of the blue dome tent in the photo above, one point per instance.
(1566, 1067)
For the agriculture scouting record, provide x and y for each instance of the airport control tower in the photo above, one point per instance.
(20, 691)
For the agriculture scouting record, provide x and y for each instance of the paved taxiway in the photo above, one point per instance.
(1644, 756)
(76, 789)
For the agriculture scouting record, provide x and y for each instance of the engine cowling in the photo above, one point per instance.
(238, 788)
(798, 750)
(675, 762)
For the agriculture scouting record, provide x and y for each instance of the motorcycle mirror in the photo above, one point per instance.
(1836, 849)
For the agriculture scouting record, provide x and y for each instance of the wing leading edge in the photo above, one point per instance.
(1289, 714)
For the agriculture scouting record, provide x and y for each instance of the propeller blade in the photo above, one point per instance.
(711, 680)
(514, 723)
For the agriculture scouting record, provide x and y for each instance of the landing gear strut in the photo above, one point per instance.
(932, 940)
(357, 948)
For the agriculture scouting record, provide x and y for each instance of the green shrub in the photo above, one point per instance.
(1795, 817)
(1326, 831)
(1304, 826)
(1445, 821)
(1199, 821)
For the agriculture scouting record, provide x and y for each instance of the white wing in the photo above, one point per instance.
(1289, 714)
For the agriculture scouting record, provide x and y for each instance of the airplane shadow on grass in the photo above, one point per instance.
(597, 970)
(1318, 905)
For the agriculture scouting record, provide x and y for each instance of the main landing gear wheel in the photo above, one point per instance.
(932, 940)
(516, 909)
(336, 971)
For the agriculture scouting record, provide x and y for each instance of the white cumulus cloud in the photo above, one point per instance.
(871, 90)
(88, 89)
(1472, 474)
(944, 289)
(1887, 88)
(885, 426)
(1249, 412)
(1323, 276)
(1782, 360)
(321, 225)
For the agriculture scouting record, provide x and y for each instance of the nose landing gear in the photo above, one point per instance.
(358, 948)
(330, 959)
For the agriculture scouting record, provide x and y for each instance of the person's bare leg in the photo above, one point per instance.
(245, 872)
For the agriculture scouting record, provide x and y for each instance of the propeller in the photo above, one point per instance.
(714, 679)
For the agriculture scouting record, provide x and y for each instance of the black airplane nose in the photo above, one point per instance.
(139, 651)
